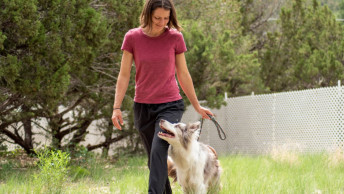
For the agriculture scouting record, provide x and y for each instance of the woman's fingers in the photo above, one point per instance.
(205, 112)
(117, 119)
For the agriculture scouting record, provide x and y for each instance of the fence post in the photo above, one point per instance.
(340, 117)
(274, 121)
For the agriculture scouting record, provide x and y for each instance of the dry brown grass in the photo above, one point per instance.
(286, 153)
(336, 158)
(18, 159)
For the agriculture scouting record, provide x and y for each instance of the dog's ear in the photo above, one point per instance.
(194, 126)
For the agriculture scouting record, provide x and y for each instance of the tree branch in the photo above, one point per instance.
(104, 73)
(77, 102)
(107, 143)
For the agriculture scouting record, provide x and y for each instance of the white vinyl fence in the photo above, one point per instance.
(308, 121)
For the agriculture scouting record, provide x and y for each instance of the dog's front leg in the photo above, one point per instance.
(201, 189)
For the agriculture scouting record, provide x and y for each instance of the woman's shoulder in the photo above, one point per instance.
(175, 32)
(133, 32)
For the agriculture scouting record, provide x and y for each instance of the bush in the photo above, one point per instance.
(53, 169)
(78, 172)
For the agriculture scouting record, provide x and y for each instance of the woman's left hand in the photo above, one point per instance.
(204, 112)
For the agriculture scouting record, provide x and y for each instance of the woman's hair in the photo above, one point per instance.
(151, 5)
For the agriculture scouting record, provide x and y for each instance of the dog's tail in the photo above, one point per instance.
(171, 169)
(213, 150)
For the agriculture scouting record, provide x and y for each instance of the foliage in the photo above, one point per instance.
(3, 146)
(307, 52)
(53, 170)
(256, 15)
(341, 10)
(121, 16)
(47, 45)
(59, 61)
(57, 67)
(334, 5)
(219, 56)
(78, 172)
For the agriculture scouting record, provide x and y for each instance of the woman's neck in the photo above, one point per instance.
(153, 33)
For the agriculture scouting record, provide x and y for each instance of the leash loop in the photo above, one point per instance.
(220, 131)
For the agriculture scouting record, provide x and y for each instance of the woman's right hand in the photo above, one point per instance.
(117, 119)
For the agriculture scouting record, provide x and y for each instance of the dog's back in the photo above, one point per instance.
(212, 170)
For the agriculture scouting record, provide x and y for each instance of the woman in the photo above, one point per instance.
(157, 47)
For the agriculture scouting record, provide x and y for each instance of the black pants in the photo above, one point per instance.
(147, 118)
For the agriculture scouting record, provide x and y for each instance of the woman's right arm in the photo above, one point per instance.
(121, 88)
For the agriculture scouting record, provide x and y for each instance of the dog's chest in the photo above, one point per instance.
(189, 167)
(187, 159)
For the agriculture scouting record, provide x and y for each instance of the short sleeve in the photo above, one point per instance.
(127, 43)
(180, 44)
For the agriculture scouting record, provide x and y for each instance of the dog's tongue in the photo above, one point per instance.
(166, 134)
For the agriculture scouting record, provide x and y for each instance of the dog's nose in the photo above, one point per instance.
(162, 121)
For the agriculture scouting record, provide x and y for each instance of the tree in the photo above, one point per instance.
(334, 5)
(33, 67)
(122, 16)
(341, 9)
(218, 54)
(57, 59)
(256, 15)
(307, 52)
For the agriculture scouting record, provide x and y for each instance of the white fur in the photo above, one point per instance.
(190, 158)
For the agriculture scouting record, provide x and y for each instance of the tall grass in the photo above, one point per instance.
(53, 168)
(241, 174)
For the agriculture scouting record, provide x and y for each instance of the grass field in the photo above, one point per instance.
(282, 173)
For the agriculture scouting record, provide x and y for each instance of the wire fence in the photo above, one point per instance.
(307, 121)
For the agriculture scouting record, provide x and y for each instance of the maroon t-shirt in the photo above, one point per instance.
(155, 64)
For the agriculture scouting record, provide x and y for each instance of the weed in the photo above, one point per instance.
(52, 170)
(78, 172)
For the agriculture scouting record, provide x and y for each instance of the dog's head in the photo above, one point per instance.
(179, 133)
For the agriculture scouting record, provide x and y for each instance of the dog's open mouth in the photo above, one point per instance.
(166, 133)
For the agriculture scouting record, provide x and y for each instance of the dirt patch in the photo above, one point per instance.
(18, 160)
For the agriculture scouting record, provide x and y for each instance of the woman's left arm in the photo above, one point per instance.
(186, 83)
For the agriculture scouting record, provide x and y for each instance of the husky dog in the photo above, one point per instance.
(197, 168)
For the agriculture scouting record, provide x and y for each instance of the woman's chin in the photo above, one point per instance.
(158, 28)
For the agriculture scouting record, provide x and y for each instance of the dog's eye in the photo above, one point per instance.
(179, 127)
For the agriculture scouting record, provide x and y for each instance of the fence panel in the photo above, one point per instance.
(307, 121)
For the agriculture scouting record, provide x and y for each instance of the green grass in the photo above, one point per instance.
(311, 174)
(241, 174)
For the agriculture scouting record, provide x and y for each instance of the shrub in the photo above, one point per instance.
(53, 169)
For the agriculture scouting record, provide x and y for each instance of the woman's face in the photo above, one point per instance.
(160, 18)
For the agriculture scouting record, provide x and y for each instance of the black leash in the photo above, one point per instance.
(218, 127)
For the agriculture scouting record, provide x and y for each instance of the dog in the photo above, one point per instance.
(193, 164)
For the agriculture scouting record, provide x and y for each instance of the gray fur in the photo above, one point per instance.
(197, 166)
